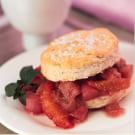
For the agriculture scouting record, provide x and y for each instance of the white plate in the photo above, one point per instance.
(15, 118)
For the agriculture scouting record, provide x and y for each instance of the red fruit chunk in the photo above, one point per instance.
(110, 73)
(52, 109)
(69, 106)
(112, 85)
(127, 71)
(80, 113)
(33, 103)
(114, 110)
(69, 89)
(120, 63)
(89, 92)
(46, 85)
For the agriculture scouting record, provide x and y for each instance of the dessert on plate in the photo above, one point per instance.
(79, 72)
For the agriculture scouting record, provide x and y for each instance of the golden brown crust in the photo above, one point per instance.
(79, 50)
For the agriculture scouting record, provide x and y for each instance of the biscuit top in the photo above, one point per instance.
(80, 48)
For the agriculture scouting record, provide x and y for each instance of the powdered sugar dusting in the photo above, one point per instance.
(70, 42)
(76, 39)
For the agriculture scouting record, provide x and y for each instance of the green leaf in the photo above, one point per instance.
(10, 89)
(17, 93)
(22, 97)
(19, 82)
(27, 74)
